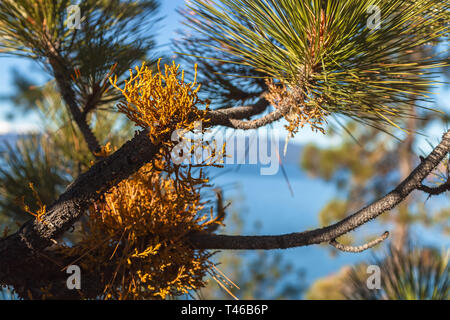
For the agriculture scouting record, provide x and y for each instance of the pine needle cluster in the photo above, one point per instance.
(327, 54)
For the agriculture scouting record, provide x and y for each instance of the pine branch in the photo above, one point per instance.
(329, 233)
(361, 248)
(232, 117)
(34, 236)
(433, 191)
(79, 117)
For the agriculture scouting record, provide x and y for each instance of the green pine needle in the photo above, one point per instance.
(326, 49)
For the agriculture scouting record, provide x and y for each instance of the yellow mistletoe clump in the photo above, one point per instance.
(161, 101)
(134, 238)
(298, 110)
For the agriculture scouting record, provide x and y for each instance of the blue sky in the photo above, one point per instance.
(169, 25)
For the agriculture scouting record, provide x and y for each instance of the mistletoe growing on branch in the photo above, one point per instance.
(148, 234)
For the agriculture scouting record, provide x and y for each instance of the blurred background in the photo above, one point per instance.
(323, 178)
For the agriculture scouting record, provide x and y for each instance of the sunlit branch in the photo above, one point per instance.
(34, 236)
(233, 118)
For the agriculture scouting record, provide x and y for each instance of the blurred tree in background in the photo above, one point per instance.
(145, 226)
(53, 157)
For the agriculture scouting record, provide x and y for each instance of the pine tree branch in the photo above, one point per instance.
(232, 117)
(79, 117)
(35, 235)
(257, 123)
(228, 116)
(433, 191)
(329, 233)
(57, 64)
(357, 249)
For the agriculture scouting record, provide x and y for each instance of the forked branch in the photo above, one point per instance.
(433, 191)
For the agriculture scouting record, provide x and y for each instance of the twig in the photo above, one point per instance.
(329, 233)
(435, 190)
(79, 117)
(361, 248)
